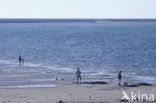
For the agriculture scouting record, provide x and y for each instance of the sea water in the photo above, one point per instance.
(57, 49)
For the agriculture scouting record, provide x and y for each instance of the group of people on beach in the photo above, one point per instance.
(77, 73)
(78, 76)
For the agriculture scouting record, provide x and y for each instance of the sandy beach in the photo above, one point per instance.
(43, 88)
(84, 93)
(50, 54)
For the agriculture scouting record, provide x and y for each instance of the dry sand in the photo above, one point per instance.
(107, 93)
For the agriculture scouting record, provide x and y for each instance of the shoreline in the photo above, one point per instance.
(41, 90)
(29, 77)
(108, 93)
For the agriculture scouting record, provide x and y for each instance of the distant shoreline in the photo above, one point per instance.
(78, 20)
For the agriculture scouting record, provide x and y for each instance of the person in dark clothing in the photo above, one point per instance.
(20, 60)
(78, 75)
(119, 78)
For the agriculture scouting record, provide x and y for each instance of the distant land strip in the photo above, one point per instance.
(78, 20)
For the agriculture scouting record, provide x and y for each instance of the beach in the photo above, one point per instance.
(84, 93)
(24, 85)
(57, 49)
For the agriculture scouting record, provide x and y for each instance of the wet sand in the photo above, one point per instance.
(84, 93)
(25, 77)
(26, 85)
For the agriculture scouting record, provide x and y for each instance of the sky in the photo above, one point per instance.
(100, 9)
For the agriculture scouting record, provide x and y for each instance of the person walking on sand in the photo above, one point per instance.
(119, 78)
(20, 60)
(78, 75)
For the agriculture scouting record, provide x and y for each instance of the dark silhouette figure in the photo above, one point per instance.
(78, 75)
(119, 78)
(20, 60)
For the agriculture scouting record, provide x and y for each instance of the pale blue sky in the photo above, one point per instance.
(77, 8)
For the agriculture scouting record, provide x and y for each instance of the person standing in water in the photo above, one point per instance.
(20, 60)
(119, 78)
(78, 75)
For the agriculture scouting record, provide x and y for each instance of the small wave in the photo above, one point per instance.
(35, 72)
(148, 79)
(31, 86)
(13, 63)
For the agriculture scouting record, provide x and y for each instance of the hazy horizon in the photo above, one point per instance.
(84, 18)
(80, 9)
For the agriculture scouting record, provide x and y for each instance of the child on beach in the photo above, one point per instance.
(78, 75)
(119, 78)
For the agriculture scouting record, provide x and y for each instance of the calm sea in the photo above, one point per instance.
(99, 50)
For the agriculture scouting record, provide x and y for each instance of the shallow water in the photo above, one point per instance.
(57, 49)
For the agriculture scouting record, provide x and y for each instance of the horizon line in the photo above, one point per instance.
(80, 18)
